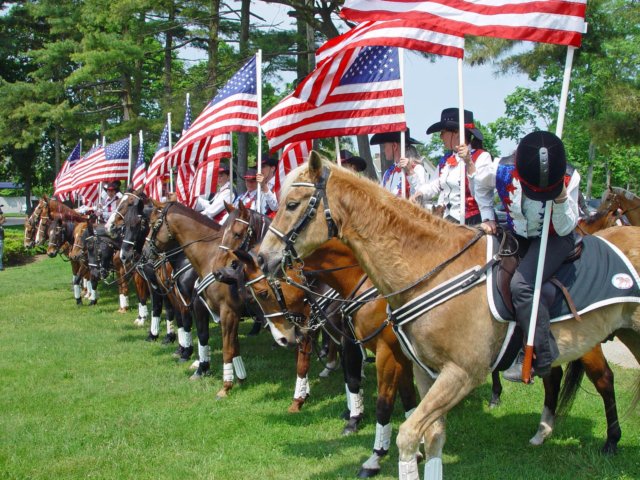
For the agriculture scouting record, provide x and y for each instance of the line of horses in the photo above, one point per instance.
(337, 274)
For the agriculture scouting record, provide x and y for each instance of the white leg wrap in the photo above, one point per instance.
(227, 372)
(94, 294)
(433, 469)
(346, 389)
(143, 311)
(155, 326)
(302, 387)
(383, 437)
(408, 470)
(188, 342)
(84, 283)
(181, 337)
(408, 413)
(238, 366)
(204, 354)
(169, 327)
(124, 301)
(357, 404)
(77, 291)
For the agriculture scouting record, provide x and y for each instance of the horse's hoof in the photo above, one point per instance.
(79, 301)
(194, 365)
(609, 448)
(169, 338)
(368, 472)
(151, 337)
(495, 402)
(123, 310)
(352, 425)
(186, 355)
(296, 405)
(202, 371)
(222, 394)
(93, 302)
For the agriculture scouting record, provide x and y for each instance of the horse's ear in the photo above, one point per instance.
(315, 165)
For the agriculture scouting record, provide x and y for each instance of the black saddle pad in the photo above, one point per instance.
(601, 276)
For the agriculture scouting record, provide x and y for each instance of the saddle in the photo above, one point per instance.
(509, 261)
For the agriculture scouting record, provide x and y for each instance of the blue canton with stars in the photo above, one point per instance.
(164, 138)
(187, 117)
(140, 160)
(373, 64)
(117, 150)
(244, 81)
(74, 156)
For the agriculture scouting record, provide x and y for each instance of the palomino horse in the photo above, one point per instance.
(396, 243)
(622, 202)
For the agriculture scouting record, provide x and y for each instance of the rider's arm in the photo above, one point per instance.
(565, 208)
(483, 185)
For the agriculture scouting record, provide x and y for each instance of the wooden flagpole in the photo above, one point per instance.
(528, 351)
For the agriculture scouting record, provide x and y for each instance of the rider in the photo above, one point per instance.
(214, 208)
(450, 167)
(267, 181)
(2, 220)
(350, 161)
(109, 202)
(537, 173)
(390, 146)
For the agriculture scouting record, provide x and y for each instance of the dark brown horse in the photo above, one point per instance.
(396, 243)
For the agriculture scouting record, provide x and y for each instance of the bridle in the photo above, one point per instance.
(255, 231)
(319, 195)
(153, 233)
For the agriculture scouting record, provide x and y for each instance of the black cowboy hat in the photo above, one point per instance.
(223, 168)
(359, 163)
(250, 174)
(113, 185)
(270, 161)
(541, 164)
(392, 137)
(449, 121)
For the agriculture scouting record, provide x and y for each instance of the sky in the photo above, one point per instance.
(429, 86)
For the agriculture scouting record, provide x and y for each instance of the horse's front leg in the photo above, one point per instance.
(548, 417)
(142, 292)
(231, 358)
(303, 363)
(201, 314)
(123, 284)
(352, 361)
(452, 385)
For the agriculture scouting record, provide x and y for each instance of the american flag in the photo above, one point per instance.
(90, 194)
(549, 21)
(155, 172)
(140, 170)
(103, 164)
(64, 179)
(394, 33)
(234, 109)
(293, 155)
(368, 99)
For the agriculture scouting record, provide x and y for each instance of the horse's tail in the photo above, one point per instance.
(571, 383)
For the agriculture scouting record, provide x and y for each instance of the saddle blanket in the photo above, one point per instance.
(602, 276)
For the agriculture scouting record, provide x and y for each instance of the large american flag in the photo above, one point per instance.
(205, 179)
(293, 155)
(90, 194)
(155, 172)
(367, 99)
(140, 170)
(234, 109)
(103, 164)
(548, 21)
(64, 179)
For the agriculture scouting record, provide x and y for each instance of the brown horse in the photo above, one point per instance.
(176, 227)
(621, 202)
(32, 222)
(334, 264)
(396, 243)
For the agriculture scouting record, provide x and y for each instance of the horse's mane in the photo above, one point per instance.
(625, 193)
(197, 217)
(57, 209)
(591, 219)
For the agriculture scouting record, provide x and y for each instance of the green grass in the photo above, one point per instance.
(83, 396)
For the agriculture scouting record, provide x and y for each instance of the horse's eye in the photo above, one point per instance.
(236, 235)
(292, 205)
(263, 294)
(235, 264)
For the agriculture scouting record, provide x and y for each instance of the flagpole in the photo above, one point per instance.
(463, 141)
(141, 138)
(403, 146)
(80, 199)
(337, 142)
(170, 170)
(230, 167)
(528, 351)
(259, 100)
(130, 159)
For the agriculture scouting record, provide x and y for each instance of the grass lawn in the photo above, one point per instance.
(83, 396)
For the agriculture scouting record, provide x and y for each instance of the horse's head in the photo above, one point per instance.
(116, 221)
(43, 223)
(244, 228)
(136, 226)
(56, 234)
(78, 250)
(304, 220)
(160, 237)
(283, 305)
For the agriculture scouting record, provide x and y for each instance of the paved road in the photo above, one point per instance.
(14, 221)
(617, 353)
